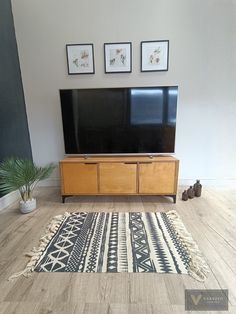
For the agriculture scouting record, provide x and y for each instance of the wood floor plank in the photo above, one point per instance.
(148, 289)
(18, 308)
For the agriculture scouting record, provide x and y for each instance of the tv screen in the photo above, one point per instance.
(119, 120)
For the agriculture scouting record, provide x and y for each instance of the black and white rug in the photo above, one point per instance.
(118, 242)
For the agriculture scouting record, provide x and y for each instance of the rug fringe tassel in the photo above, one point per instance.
(198, 268)
(35, 254)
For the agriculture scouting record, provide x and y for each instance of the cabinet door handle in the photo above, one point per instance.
(90, 163)
(130, 163)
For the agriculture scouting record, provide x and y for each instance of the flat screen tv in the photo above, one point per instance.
(130, 120)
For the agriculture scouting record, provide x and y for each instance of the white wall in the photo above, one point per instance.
(202, 63)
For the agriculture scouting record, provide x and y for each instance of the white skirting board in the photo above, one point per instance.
(9, 199)
(12, 197)
(50, 182)
(224, 183)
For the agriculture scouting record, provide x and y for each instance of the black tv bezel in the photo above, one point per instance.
(150, 155)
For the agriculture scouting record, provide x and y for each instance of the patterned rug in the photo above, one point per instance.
(117, 242)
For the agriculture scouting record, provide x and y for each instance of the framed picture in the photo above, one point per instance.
(154, 55)
(80, 59)
(118, 57)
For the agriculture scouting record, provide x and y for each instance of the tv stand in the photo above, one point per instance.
(119, 175)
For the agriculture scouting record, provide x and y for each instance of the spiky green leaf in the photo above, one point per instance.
(22, 174)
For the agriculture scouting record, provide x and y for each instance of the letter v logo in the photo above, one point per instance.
(196, 298)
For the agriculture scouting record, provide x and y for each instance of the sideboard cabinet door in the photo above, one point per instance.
(79, 178)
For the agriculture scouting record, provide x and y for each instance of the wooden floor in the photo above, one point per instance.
(211, 220)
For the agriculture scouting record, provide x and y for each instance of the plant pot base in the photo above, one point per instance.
(28, 206)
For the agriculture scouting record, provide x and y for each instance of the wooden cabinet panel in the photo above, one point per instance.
(79, 178)
(157, 178)
(118, 178)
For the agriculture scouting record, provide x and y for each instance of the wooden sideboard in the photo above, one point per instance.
(131, 175)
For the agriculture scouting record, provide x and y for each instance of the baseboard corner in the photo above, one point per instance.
(9, 199)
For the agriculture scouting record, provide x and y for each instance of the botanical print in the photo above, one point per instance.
(80, 59)
(154, 56)
(118, 57)
(83, 60)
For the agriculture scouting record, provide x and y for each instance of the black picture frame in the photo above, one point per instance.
(154, 55)
(80, 59)
(118, 57)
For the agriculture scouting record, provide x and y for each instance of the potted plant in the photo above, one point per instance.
(23, 175)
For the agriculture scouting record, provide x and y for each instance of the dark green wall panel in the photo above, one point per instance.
(14, 133)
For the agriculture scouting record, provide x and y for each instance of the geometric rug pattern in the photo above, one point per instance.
(115, 242)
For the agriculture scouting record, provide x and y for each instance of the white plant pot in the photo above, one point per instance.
(28, 206)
